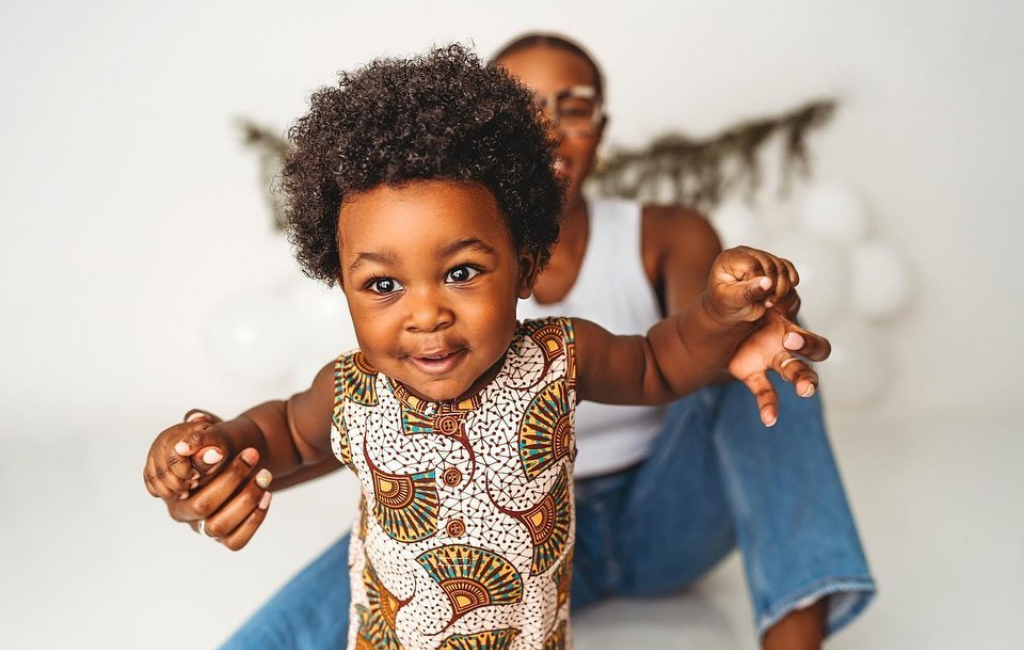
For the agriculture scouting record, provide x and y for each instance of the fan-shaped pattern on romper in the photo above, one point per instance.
(360, 380)
(378, 621)
(545, 435)
(405, 506)
(548, 523)
(489, 640)
(472, 578)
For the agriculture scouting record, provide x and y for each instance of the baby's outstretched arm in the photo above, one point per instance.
(684, 352)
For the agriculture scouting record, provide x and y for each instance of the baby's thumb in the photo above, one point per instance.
(740, 295)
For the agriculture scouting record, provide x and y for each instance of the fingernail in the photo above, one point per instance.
(249, 456)
(265, 501)
(771, 423)
(212, 456)
(181, 448)
(193, 485)
(793, 341)
(196, 416)
(809, 391)
(183, 496)
(264, 478)
(765, 282)
(769, 304)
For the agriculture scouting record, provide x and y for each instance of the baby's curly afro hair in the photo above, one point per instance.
(440, 116)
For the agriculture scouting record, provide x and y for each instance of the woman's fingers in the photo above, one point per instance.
(199, 415)
(767, 400)
(229, 516)
(797, 372)
(241, 535)
(209, 498)
(806, 343)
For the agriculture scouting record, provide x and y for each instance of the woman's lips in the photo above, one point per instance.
(438, 362)
(562, 167)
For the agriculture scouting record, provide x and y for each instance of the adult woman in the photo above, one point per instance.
(661, 497)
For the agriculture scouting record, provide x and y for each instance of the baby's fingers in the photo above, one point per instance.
(783, 282)
(738, 297)
(161, 482)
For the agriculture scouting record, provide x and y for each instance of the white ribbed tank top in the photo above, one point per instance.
(611, 290)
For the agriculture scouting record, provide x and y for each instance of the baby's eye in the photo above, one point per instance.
(384, 285)
(461, 274)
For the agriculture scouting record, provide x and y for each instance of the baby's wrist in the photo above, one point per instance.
(714, 313)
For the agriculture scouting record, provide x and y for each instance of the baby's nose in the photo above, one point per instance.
(429, 312)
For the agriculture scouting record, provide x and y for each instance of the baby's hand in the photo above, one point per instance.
(185, 455)
(746, 282)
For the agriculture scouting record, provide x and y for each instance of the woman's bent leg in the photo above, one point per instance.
(309, 613)
(792, 518)
(674, 523)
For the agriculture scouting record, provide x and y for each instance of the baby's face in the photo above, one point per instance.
(431, 276)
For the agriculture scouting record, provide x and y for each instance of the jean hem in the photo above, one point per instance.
(860, 589)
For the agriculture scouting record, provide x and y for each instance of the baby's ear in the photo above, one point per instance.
(529, 268)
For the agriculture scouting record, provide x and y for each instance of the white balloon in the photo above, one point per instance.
(321, 325)
(857, 372)
(833, 212)
(881, 282)
(246, 338)
(824, 276)
(736, 224)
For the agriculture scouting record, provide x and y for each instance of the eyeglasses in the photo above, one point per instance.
(577, 110)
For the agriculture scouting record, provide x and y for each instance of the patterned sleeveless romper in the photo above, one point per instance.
(466, 524)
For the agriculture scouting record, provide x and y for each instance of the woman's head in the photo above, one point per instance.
(441, 116)
(569, 84)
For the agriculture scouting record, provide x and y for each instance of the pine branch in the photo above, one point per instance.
(701, 172)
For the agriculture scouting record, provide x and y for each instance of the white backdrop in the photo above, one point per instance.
(129, 210)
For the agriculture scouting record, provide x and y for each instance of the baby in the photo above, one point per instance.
(425, 188)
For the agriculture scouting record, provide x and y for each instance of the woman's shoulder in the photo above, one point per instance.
(677, 225)
(673, 234)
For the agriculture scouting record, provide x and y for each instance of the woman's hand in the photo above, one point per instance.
(775, 346)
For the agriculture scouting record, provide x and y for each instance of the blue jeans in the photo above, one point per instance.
(715, 479)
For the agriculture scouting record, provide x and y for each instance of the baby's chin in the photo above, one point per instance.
(441, 391)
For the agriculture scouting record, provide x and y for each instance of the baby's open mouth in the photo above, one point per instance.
(438, 361)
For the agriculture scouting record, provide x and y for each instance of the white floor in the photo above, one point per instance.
(89, 560)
